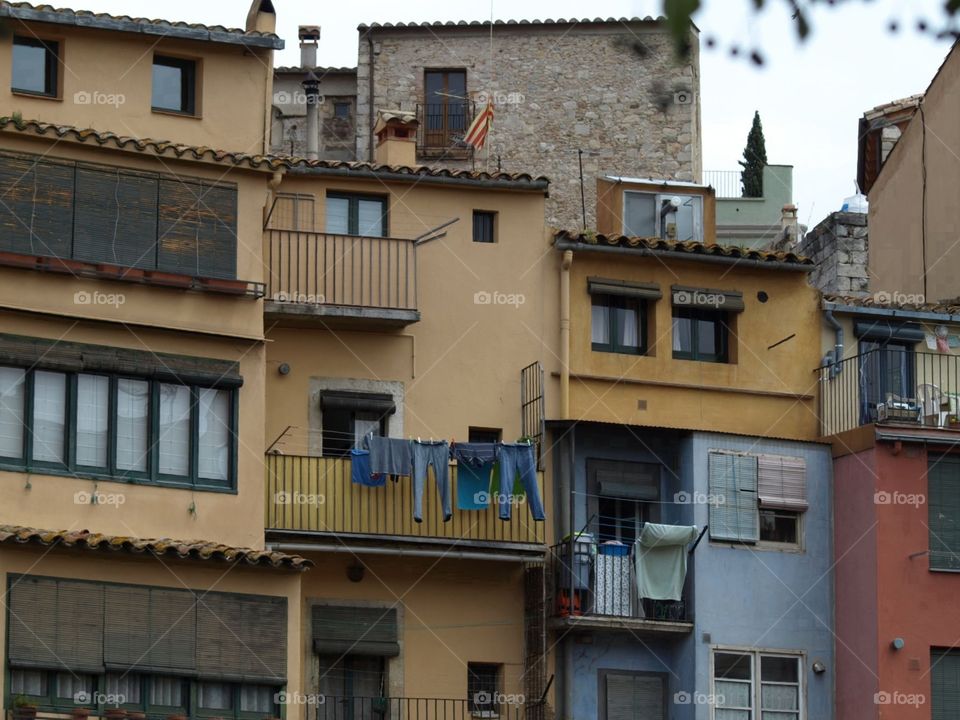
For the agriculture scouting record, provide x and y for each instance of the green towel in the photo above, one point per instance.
(660, 555)
(518, 491)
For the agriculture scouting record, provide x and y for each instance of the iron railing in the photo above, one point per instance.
(323, 269)
(892, 384)
(315, 494)
(485, 705)
(443, 126)
(727, 183)
(600, 580)
(532, 412)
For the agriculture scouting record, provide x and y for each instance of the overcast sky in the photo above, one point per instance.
(809, 95)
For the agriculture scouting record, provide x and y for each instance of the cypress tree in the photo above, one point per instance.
(754, 159)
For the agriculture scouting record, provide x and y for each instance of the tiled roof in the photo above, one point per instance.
(125, 23)
(498, 23)
(895, 106)
(653, 244)
(169, 149)
(163, 548)
(319, 71)
(882, 301)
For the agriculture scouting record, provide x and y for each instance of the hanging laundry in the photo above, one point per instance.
(474, 454)
(660, 555)
(360, 470)
(475, 463)
(390, 456)
(436, 454)
(519, 459)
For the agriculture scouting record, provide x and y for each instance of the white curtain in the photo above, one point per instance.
(27, 682)
(256, 698)
(49, 416)
(215, 696)
(600, 324)
(630, 332)
(174, 430)
(133, 405)
(213, 450)
(338, 216)
(93, 415)
(12, 382)
(682, 335)
(71, 685)
(166, 692)
(125, 689)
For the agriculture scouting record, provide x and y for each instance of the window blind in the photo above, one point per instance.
(782, 482)
(945, 684)
(943, 502)
(355, 631)
(624, 288)
(242, 638)
(634, 697)
(733, 487)
(150, 629)
(36, 205)
(707, 299)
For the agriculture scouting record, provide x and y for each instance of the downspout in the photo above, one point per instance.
(837, 344)
(565, 264)
(370, 110)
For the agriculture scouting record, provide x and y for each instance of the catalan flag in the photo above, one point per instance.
(477, 132)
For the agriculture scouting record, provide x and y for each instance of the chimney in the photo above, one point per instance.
(311, 88)
(262, 17)
(396, 138)
(789, 228)
(309, 40)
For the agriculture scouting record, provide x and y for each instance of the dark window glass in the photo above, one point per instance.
(732, 667)
(618, 324)
(887, 372)
(341, 110)
(779, 526)
(483, 226)
(344, 429)
(35, 65)
(700, 335)
(174, 84)
(483, 687)
(485, 435)
(619, 519)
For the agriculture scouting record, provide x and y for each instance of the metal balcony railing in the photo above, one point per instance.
(483, 705)
(600, 580)
(727, 183)
(316, 495)
(892, 384)
(442, 127)
(311, 268)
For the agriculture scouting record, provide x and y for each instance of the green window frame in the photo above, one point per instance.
(699, 322)
(354, 201)
(197, 473)
(944, 683)
(943, 507)
(609, 318)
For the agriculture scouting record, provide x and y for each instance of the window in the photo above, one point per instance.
(700, 334)
(485, 435)
(618, 324)
(632, 696)
(166, 692)
(622, 496)
(293, 211)
(666, 216)
(70, 427)
(351, 680)
(349, 416)
(484, 226)
(124, 689)
(741, 695)
(174, 85)
(943, 503)
(342, 110)
(757, 498)
(32, 683)
(944, 684)
(36, 66)
(364, 215)
(214, 696)
(446, 111)
(483, 688)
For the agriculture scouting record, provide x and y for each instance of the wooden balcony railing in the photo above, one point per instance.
(316, 495)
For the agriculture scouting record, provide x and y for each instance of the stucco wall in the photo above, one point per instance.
(621, 110)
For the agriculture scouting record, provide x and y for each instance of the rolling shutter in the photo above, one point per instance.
(242, 638)
(634, 697)
(341, 630)
(943, 491)
(624, 288)
(116, 217)
(150, 629)
(945, 685)
(626, 480)
(733, 507)
(218, 216)
(782, 482)
(36, 206)
(707, 299)
(197, 228)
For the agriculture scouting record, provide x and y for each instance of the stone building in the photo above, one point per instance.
(611, 94)
(839, 246)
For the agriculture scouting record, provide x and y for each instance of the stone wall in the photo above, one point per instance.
(337, 135)
(614, 90)
(839, 246)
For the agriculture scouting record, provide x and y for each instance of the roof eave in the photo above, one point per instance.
(890, 312)
(534, 185)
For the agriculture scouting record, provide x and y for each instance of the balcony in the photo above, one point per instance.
(597, 590)
(330, 280)
(917, 392)
(380, 708)
(313, 497)
(441, 130)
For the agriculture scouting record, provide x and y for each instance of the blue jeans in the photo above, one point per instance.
(519, 458)
(426, 454)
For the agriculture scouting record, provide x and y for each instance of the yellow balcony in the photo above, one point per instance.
(314, 496)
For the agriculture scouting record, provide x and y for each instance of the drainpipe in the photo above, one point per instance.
(565, 334)
(311, 86)
(838, 342)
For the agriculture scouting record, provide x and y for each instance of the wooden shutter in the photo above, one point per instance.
(116, 217)
(782, 482)
(733, 507)
(218, 221)
(55, 624)
(943, 490)
(634, 697)
(242, 638)
(344, 630)
(36, 206)
(198, 228)
(150, 629)
(945, 685)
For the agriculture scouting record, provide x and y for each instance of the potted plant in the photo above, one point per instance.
(953, 421)
(177, 717)
(80, 713)
(115, 713)
(136, 715)
(23, 709)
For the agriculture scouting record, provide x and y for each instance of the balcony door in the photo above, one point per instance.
(887, 375)
(353, 686)
(446, 116)
(621, 497)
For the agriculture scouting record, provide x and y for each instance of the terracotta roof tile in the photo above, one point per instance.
(166, 148)
(161, 547)
(887, 302)
(126, 23)
(684, 248)
(498, 23)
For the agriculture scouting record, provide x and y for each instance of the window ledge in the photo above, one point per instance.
(761, 546)
(35, 95)
(176, 113)
(7, 466)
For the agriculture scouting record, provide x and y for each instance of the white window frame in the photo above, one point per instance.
(660, 197)
(755, 683)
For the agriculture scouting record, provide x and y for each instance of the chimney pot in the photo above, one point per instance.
(309, 40)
